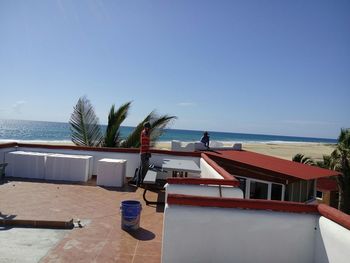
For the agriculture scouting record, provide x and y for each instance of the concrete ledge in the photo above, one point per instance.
(37, 223)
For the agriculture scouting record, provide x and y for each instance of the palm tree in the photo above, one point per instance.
(112, 137)
(84, 124)
(339, 160)
(115, 119)
(158, 124)
(300, 158)
(326, 162)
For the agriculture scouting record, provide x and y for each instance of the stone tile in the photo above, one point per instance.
(101, 239)
(147, 258)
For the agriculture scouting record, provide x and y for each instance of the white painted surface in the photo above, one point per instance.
(182, 146)
(332, 242)
(157, 159)
(66, 167)
(207, 171)
(204, 190)
(133, 159)
(201, 234)
(111, 172)
(26, 164)
(28, 245)
(3, 152)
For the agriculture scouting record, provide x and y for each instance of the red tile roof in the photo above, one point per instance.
(265, 163)
(327, 184)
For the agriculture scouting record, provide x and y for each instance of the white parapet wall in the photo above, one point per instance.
(207, 171)
(332, 242)
(209, 234)
(204, 190)
(133, 159)
(3, 152)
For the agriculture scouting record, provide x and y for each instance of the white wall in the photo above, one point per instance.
(207, 171)
(204, 190)
(133, 159)
(205, 234)
(3, 151)
(332, 242)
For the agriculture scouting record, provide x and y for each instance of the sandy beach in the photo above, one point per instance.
(281, 150)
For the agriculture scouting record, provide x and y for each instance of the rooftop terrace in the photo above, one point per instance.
(101, 238)
(205, 218)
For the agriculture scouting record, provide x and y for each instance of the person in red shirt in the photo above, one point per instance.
(145, 155)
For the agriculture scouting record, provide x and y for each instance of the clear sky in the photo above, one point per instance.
(272, 67)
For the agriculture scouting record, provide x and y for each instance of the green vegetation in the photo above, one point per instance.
(86, 130)
(300, 158)
(339, 160)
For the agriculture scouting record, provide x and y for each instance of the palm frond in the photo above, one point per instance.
(158, 125)
(115, 119)
(301, 158)
(326, 162)
(84, 124)
(133, 139)
(344, 138)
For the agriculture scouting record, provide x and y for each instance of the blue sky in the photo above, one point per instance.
(272, 67)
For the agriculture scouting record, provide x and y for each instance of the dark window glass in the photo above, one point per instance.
(303, 191)
(276, 192)
(319, 194)
(258, 190)
(310, 192)
(242, 184)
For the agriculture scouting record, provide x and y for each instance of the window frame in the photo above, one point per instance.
(269, 189)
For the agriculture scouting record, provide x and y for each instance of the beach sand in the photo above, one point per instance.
(281, 150)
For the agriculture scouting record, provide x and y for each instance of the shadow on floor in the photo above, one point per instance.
(125, 188)
(142, 234)
(5, 228)
(7, 217)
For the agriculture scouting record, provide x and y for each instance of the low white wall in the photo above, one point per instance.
(207, 171)
(202, 234)
(133, 159)
(3, 151)
(204, 190)
(157, 158)
(332, 242)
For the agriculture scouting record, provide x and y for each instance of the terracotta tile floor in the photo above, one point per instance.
(101, 239)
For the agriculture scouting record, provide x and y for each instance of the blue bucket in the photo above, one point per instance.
(130, 212)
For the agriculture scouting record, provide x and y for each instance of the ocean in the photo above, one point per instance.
(41, 131)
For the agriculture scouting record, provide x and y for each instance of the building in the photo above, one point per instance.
(235, 209)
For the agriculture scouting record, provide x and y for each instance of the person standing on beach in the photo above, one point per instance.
(145, 155)
(205, 139)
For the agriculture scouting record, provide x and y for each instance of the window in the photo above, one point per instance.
(242, 184)
(319, 195)
(310, 191)
(258, 190)
(276, 192)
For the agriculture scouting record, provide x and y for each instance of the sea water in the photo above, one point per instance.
(19, 130)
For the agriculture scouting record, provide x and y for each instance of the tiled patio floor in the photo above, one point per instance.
(101, 239)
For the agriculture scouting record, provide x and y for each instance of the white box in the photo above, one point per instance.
(66, 167)
(26, 164)
(111, 172)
